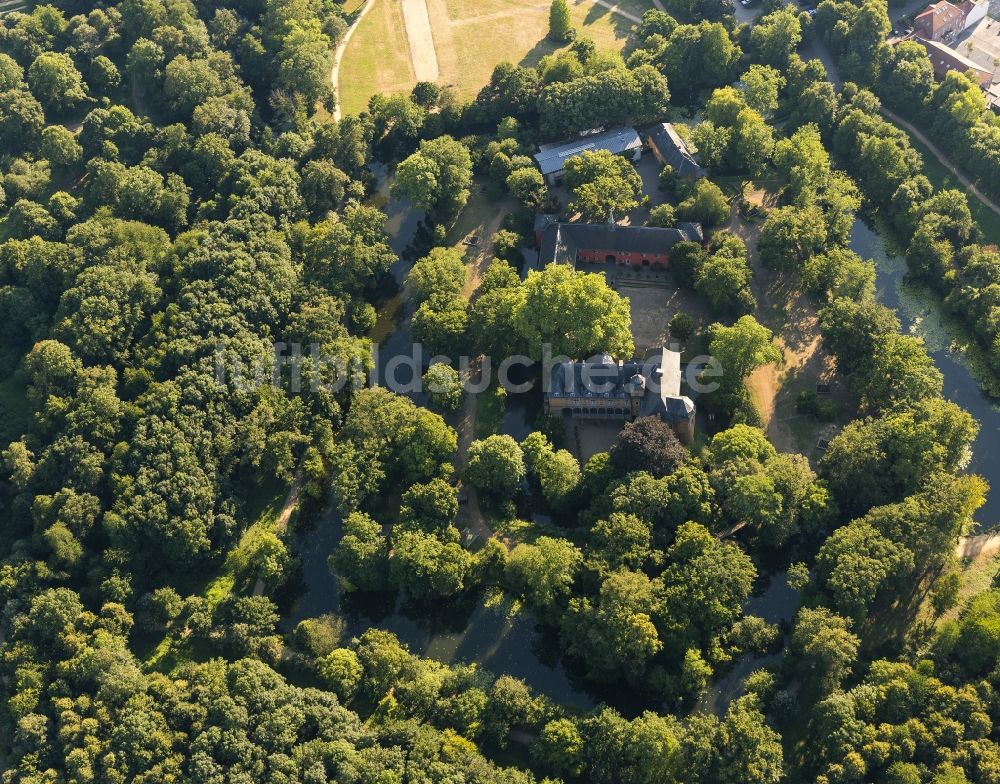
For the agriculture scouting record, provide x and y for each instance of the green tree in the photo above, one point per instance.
(822, 647)
(21, 119)
(444, 386)
(496, 465)
(791, 236)
(441, 273)
(558, 476)
(855, 564)
(642, 751)
(741, 349)
(559, 747)
(706, 204)
(761, 85)
(341, 671)
(879, 460)
(323, 186)
(360, 560)
(430, 507)
(55, 82)
(436, 177)
(776, 36)
(560, 22)
(60, 146)
(441, 324)
(622, 540)
(425, 567)
(803, 159)
(662, 216)
(681, 325)
(527, 186)
(575, 313)
(543, 573)
(602, 184)
(614, 633)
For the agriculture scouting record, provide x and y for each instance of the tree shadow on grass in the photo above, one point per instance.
(537, 52)
(623, 27)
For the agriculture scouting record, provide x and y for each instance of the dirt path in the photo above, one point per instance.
(423, 55)
(290, 505)
(792, 317)
(470, 514)
(338, 55)
(969, 184)
(978, 546)
(484, 255)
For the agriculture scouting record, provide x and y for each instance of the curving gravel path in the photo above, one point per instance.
(339, 54)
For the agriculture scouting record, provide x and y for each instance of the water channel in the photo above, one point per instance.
(953, 351)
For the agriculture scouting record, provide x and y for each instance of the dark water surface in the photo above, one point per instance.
(953, 351)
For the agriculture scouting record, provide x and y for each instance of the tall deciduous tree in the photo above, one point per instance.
(436, 177)
(603, 185)
(560, 24)
(574, 313)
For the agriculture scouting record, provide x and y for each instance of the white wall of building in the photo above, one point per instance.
(976, 15)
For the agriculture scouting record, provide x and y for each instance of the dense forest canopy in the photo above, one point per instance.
(176, 200)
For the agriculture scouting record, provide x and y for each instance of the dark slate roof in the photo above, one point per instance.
(602, 378)
(561, 241)
(552, 158)
(675, 151)
(691, 231)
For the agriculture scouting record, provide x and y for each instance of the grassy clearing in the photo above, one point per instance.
(987, 220)
(471, 37)
(377, 58)
(475, 219)
(977, 577)
(351, 7)
(236, 574)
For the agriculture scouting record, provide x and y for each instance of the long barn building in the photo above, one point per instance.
(600, 243)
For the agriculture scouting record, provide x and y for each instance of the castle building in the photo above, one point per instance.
(602, 388)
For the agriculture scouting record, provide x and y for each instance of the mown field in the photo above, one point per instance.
(471, 37)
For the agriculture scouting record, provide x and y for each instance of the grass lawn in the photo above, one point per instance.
(977, 577)
(377, 58)
(471, 38)
(987, 220)
(489, 412)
